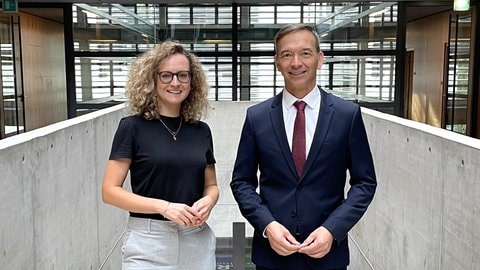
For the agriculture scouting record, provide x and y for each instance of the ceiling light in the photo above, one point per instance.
(461, 5)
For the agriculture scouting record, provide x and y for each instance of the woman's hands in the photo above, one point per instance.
(186, 215)
(204, 206)
(199, 212)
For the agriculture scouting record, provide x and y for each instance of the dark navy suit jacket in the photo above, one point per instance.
(315, 198)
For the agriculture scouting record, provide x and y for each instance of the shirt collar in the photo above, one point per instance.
(312, 98)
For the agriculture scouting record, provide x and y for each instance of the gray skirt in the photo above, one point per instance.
(157, 244)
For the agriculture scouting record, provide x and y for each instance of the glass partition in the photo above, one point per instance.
(235, 44)
(11, 98)
(360, 78)
(100, 81)
(458, 72)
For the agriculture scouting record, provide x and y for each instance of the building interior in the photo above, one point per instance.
(413, 59)
(409, 61)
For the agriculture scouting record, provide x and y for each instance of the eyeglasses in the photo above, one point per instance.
(167, 76)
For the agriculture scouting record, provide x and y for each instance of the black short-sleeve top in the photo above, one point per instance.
(164, 168)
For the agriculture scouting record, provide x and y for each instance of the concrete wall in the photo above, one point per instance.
(51, 214)
(425, 214)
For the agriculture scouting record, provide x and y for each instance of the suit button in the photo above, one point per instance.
(293, 213)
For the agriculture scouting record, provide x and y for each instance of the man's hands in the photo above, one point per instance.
(317, 244)
(281, 240)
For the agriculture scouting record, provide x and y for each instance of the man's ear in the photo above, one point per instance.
(321, 58)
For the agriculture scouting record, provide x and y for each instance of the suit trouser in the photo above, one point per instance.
(157, 244)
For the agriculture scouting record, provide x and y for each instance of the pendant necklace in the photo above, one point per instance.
(173, 133)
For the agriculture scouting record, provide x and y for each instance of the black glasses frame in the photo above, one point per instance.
(182, 76)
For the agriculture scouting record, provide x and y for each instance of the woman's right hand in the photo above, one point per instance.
(182, 214)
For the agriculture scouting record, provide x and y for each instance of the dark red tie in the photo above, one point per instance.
(298, 142)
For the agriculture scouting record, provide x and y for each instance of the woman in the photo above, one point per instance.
(169, 153)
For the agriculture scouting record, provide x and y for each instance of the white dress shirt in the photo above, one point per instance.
(311, 115)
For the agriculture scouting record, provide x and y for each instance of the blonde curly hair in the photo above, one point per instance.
(141, 86)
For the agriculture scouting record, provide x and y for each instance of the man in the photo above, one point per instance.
(301, 216)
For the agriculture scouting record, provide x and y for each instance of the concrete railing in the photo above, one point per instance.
(425, 214)
(52, 214)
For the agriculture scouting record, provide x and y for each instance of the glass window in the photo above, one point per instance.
(178, 15)
(101, 79)
(347, 29)
(204, 15)
(285, 15)
(360, 78)
(262, 15)
(225, 15)
(457, 96)
(11, 95)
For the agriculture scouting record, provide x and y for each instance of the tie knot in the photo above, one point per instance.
(300, 105)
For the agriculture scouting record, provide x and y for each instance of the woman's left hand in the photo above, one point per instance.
(203, 206)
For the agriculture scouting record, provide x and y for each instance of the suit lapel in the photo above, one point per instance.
(276, 116)
(324, 119)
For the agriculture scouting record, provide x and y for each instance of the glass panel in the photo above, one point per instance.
(350, 25)
(225, 15)
(458, 74)
(360, 78)
(11, 99)
(262, 47)
(262, 15)
(341, 25)
(219, 77)
(204, 15)
(260, 76)
(206, 25)
(179, 15)
(100, 80)
(285, 14)
(207, 30)
(114, 27)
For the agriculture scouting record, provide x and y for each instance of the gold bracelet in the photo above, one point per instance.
(165, 212)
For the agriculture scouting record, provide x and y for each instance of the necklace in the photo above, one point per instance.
(173, 133)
